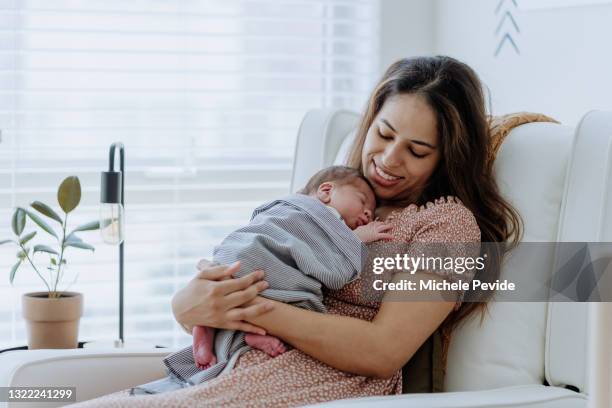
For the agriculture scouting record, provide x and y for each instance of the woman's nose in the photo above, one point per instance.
(391, 157)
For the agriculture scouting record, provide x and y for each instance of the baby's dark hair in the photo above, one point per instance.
(338, 174)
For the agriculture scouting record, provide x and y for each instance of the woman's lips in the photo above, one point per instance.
(382, 178)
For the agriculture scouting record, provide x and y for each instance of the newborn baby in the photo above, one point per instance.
(304, 242)
(349, 197)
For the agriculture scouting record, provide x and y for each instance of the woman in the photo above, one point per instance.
(422, 143)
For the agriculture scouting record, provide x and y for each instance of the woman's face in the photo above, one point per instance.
(401, 149)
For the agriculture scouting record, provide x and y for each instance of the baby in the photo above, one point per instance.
(349, 197)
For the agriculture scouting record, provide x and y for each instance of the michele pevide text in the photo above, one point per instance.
(442, 285)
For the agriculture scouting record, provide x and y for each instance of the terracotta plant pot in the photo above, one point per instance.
(52, 323)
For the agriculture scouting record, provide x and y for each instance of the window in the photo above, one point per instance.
(207, 97)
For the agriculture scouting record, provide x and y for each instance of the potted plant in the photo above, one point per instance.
(52, 316)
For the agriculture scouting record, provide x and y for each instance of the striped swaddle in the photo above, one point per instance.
(302, 246)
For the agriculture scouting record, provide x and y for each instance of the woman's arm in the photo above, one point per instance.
(378, 348)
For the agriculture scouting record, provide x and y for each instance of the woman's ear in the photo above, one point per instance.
(324, 192)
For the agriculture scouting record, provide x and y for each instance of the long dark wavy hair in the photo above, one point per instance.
(455, 94)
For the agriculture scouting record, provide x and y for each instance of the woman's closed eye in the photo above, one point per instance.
(415, 154)
(387, 137)
(384, 137)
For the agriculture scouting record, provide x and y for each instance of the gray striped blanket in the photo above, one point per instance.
(302, 246)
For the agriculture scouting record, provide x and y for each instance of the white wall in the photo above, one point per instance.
(406, 29)
(565, 64)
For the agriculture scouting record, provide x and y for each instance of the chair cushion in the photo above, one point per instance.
(529, 396)
(508, 349)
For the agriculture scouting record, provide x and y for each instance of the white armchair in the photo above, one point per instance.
(559, 180)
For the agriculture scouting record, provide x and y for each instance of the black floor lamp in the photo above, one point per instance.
(112, 202)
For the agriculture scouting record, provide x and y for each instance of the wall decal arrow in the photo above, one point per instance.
(506, 38)
(505, 31)
(507, 17)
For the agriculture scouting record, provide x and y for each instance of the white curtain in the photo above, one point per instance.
(206, 96)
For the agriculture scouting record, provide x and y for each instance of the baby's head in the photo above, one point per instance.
(344, 189)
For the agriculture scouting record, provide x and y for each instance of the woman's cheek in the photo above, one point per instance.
(368, 147)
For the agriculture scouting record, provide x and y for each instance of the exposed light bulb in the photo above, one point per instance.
(112, 223)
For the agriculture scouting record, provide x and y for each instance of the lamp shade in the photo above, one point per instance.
(110, 187)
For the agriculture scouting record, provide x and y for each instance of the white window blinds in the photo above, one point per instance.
(207, 97)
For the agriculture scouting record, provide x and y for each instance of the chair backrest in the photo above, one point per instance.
(541, 169)
(320, 137)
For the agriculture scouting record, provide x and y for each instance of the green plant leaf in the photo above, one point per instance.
(40, 222)
(72, 237)
(45, 248)
(69, 193)
(53, 261)
(19, 221)
(44, 209)
(13, 271)
(90, 226)
(79, 244)
(28, 237)
(21, 254)
(6, 241)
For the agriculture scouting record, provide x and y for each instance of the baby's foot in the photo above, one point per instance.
(268, 344)
(203, 339)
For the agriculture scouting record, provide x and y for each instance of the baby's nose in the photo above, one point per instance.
(368, 214)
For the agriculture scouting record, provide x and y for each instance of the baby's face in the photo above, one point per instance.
(354, 201)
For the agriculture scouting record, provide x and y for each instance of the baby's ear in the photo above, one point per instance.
(324, 192)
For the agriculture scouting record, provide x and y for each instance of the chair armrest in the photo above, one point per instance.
(523, 396)
(94, 372)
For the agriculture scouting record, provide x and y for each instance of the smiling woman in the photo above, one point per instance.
(400, 151)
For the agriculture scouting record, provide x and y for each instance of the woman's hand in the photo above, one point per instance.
(214, 299)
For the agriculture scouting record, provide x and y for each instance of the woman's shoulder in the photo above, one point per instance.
(445, 218)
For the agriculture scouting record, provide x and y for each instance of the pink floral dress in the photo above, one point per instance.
(294, 378)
